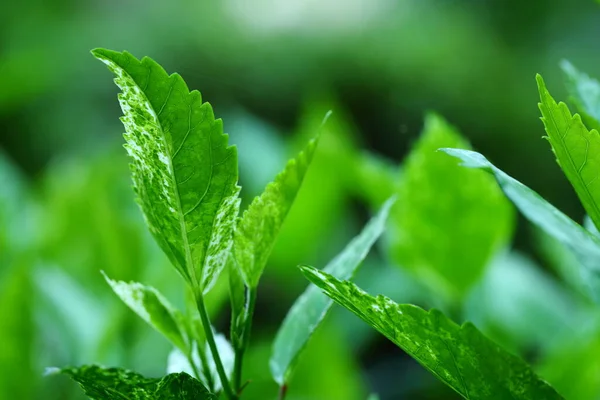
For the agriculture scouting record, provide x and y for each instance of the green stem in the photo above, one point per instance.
(210, 338)
(240, 351)
(193, 365)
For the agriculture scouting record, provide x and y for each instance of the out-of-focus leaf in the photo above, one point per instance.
(184, 172)
(573, 367)
(577, 150)
(562, 260)
(179, 362)
(100, 383)
(460, 356)
(580, 241)
(312, 306)
(153, 308)
(449, 222)
(17, 336)
(238, 293)
(257, 229)
(321, 206)
(585, 93)
(521, 307)
(376, 179)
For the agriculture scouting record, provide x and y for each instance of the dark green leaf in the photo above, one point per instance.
(460, 356)
(100, 383)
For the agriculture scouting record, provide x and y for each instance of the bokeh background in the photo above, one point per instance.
(271, 70)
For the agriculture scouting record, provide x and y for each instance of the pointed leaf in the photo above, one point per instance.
(449, 222)
(100, 383)
(312, 306)
(577, 150)
(585, 93)
(580, 241)
(153, 308)
(257, 229)
(184, 173)
(460, 356)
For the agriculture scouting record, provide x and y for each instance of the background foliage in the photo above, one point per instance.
(272, 70)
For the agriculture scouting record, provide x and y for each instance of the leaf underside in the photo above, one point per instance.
(576, 148)
(101, 383)
(257, 229)
(184, 173)
(312, 306)
(460, 356)
(543, 214)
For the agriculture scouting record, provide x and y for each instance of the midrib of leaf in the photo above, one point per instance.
(170, 158)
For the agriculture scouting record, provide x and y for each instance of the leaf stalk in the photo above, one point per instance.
(210, 338)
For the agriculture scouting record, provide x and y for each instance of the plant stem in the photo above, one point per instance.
(239, 351)
(282, 391)
(210, 338)
(193, 365)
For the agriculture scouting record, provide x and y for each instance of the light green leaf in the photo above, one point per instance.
(449, 222)
(184, 173)
(100, 383)
(543, 214)
(258, 227)
(153, 308)
(312, 306)
(373, 397)
(585, 93)
(460, 356)
(375, 179)
(577, 150)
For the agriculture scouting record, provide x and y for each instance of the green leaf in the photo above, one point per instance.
(585, 93)
(311, 307)
(100, 383)
(184, 173)
(238, 292)
(460, 356)
(153, 308)
(577, 150)
(17, 334)
(580, 241)
(449, 222)
(257, 229)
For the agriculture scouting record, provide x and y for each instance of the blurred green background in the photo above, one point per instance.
(271, 70)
